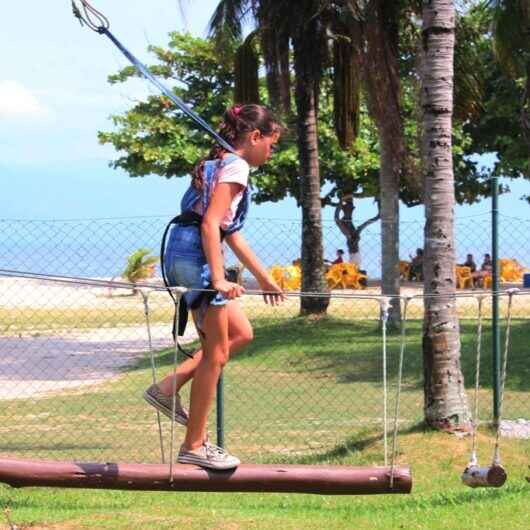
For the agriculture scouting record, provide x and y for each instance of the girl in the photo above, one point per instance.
(214, 208)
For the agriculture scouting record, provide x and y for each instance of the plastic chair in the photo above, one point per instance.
(464, 277)
(293, 278)
(404, 270)
(278, 275)
(345, 276)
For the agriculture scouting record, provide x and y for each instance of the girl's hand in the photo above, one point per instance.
(273, 294)
(228, 289)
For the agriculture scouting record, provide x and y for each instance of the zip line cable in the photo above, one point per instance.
(96, 21)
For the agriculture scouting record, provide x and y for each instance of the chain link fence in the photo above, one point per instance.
(75, 359)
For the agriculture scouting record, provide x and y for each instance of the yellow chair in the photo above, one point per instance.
(293, 278)
(487, 281)
(511, 270)
(464, 277)
(278, 275)
(404, 270)
(345, 276)
(506, 270)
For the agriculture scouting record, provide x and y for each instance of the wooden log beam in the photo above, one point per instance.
(484, 477)
(328, 480)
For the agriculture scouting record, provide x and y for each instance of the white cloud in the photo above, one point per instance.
(17, 102)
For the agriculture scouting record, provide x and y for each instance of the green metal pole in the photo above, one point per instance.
(495, 332)
(220, 413)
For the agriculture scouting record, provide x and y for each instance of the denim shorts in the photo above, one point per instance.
(186, 266)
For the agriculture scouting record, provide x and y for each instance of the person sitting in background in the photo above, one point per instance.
(485, 270)
(487, 264)
(470, 262)
(416, 265)
(339, 258)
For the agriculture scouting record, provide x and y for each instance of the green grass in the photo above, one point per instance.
(304, 392)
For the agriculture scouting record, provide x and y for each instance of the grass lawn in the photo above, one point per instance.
(306, 391)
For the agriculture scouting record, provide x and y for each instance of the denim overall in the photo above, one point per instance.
(184, 260)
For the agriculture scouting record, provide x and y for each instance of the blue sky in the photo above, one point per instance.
(54, 97)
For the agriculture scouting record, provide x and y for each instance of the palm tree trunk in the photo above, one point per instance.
(307, 70)
(381, 77)
(389, 208)
(445, 403)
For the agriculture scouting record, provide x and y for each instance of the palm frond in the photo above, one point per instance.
(469, 82)
(511, 31)
(246, 72)
(226, 19)
(140, 265)
(346, 91)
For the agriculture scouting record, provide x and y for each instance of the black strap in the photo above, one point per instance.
(180, 320)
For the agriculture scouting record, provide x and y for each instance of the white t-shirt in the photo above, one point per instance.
(236, 171)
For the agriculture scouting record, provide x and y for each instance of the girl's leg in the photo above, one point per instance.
(206, 374)
(239, 335)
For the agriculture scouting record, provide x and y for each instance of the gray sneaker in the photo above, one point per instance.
(209, 456)
(164, 404)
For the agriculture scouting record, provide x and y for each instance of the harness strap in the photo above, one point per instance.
(180, 316)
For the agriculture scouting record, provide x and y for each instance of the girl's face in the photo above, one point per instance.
(259, 148)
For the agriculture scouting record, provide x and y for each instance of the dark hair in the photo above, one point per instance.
(340, 251)
(238, 121)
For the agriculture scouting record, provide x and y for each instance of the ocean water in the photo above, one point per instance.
(99, 247)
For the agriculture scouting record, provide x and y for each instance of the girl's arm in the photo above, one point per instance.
(220, 202)
(246, 255)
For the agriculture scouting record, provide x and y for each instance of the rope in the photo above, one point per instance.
(473, 460)
(398, 392)
(145, 296)
(112, 284)
(97, 22)
(497, 453)
(174, 393)
(385, 306)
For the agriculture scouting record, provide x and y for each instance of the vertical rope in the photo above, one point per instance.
(385, 306)
(406, 301)
(497, 453)
(178, 295)
(145, 296)
(474, 461)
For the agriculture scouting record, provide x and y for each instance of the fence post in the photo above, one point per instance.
(220, 412)
(495, 332)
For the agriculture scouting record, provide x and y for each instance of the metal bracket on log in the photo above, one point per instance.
(327, 480)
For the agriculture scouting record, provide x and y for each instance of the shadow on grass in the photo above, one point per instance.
(362, 440)
(351, 351)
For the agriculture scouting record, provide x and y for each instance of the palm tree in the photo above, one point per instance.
(303, 24)
(511, 31)
(140, 266)
(380, 67)
(445, 404)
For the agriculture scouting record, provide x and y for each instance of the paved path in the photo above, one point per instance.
(43, 364)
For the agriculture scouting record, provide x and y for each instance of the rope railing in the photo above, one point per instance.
(113, 284)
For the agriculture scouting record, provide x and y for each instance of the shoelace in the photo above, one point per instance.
(214, 450)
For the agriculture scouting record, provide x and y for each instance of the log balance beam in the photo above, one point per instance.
(325, 480)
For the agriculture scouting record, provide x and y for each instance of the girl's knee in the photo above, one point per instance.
(218, 358)
(247, 336)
